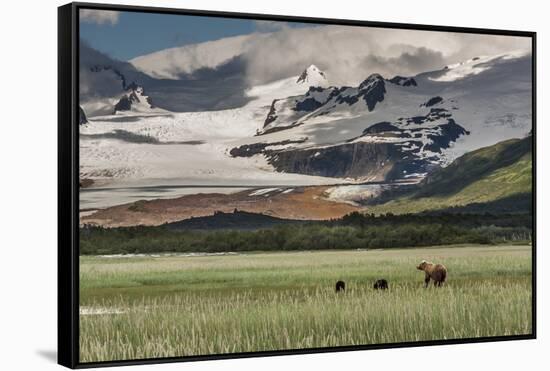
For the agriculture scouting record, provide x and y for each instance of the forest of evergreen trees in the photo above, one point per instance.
(353, 231)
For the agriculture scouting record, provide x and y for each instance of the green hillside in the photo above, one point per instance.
(494, 176)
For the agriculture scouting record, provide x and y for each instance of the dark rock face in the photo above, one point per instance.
(315, 89)
(372, 90)
(82, 120)
(432, 101)
(380, 160)
(135, 94)
(134, 97)
(272, 114)
(376, 158)
(380, 127)
(124, 104)
(434, 115)
(450, 132)
(403, 81)
(383, 151)
(345, 160)
(302, 77)
(349, 99)
(308, 105)
(311, 101)
(248, 150)
(302, 105)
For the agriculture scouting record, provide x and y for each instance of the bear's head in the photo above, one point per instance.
(422, 266)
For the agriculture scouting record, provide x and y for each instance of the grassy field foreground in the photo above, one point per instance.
(141, 307)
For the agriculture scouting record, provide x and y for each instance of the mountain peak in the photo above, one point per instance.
(373, 78)
(313, 76)
(134, 99)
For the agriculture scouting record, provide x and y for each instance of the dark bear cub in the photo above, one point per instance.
(340, 286)
(381, 284)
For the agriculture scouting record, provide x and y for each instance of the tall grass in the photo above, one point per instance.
(210, 305)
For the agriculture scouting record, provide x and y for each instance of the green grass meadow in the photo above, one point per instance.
(143, 307)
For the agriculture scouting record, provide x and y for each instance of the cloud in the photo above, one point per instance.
(347, 54)
(270, 26)
(99, 17)
(409, 62)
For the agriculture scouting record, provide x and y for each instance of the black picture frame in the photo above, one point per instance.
(68, 182)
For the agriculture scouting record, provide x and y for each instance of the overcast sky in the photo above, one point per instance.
(278, 49)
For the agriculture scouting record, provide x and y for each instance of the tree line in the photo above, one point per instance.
(353, 231)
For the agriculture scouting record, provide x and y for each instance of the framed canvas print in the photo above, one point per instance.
(236, 185)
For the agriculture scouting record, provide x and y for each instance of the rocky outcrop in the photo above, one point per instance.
(248, 150)
(385, 151)
(272, 114)
(432, 101)
(371, 90)
(403, 81)
(82, 119)
(434, 114)
(437, 126)
(308, 105)
(450, 132)
(380, 127)
(317, 101)
(373, 161)
(135, 96)
(124, 104)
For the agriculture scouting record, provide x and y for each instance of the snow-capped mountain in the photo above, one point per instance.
(313, 76)
(104, 80)
(184, 147)
(301, 130)
(318, 101)
(393, 129)
(136, 100)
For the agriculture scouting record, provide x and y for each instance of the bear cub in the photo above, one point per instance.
(381, 284)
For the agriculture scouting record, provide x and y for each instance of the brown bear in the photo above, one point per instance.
(436, 272)
(340, 286)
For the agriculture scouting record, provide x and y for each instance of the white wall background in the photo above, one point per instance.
(28, 182)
